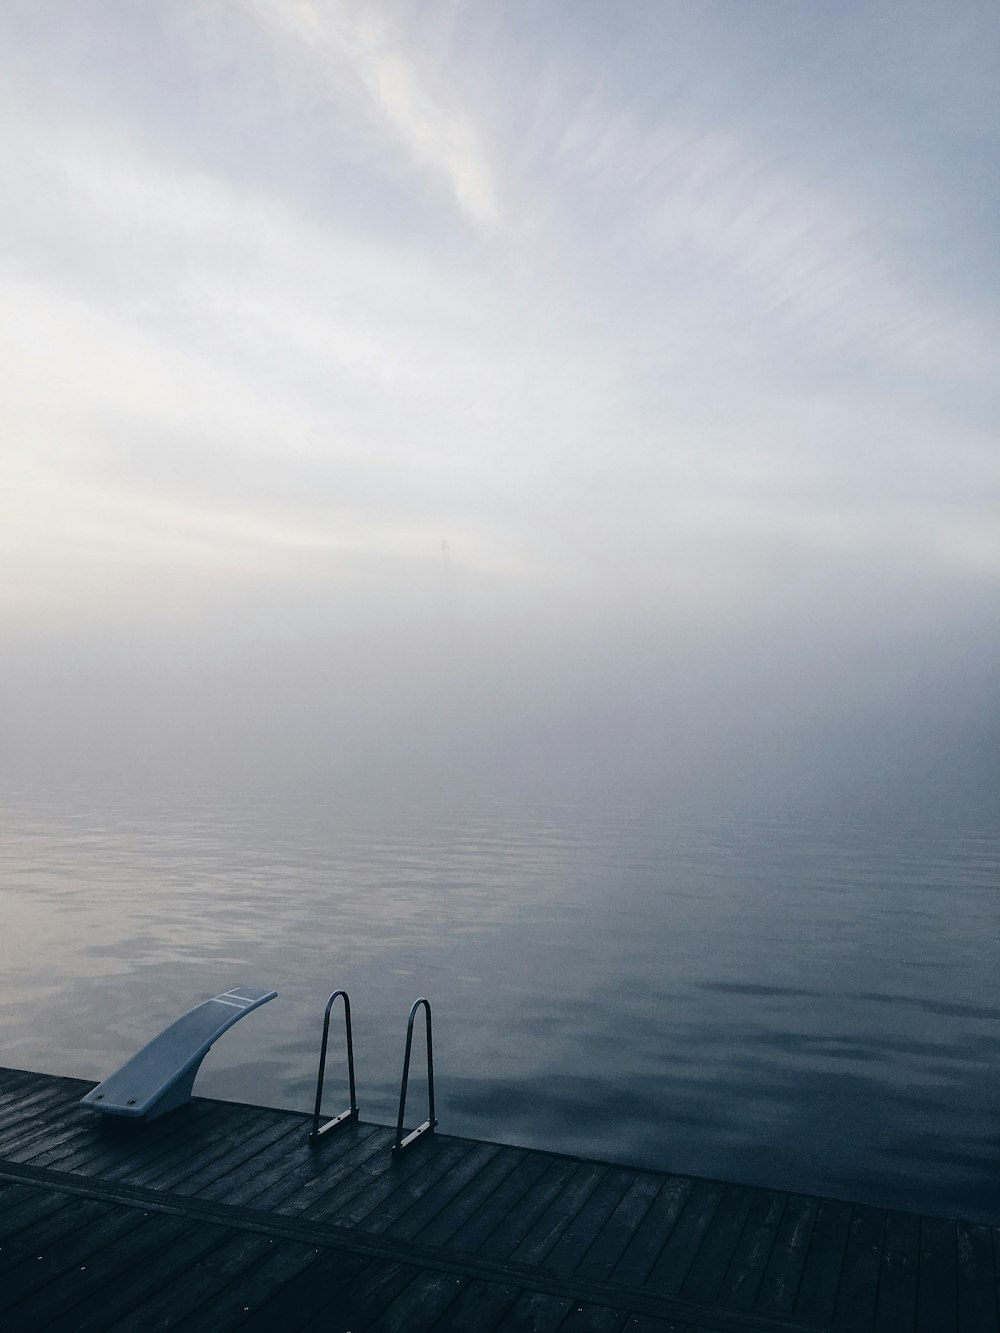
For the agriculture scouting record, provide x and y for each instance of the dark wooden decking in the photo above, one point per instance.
(221, 1216)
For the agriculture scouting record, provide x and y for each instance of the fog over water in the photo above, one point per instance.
(414, 414)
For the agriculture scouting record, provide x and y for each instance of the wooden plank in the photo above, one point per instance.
(20, 1114)
(563, 1209)
(114, 1150)
(213, 1179)
(32, 1107)
(90, 1297)
(15, 1196)
(711, 1263)
(398, 1186)
(438, 1228)
(535, 1312)
(733, 1328)
(90, 1160)
(49, 1143)
(646, 1323)
(685, 1239)
(821, 1274)
(471, 1233)
(269, 1189)
(396, 1200)
(41, 1115)
(480, 1308)
(197, 1212)
(281, 1146)
(420, 1305)
(67, 1091)
(795, 1259)
(611, 1241)
(23, 1107)
(229, 1303)
(15, 1082)
(83, 1232)
(274, 1167)
(11, 1191)
(316, 1190)
(376, 1176)
(48, 1223)
(313, 1290)
(578, 1236)
(28, 1211)
(178, 1299)
(593, 1319)
(741, 1285)
(107, 1147)
(280, 1149)
(221, 1136)
(937, 1281)
(432, 1202)
(201, 1148)
(362, 1299)
(780, 1284)
(91, 1147)
(857, 1296)
(510, 1229)
(653, 1232)
(25, 1127)
(72, 1266)
(896, 1309)
(73, 1087)
(12, 1074)
(13, 1079)
(977, 1280)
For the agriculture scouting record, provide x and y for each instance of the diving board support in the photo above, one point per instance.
(400, 1144)
(160, 1076)
(351, 1114)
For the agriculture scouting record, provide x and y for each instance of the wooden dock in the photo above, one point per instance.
(221, 1216)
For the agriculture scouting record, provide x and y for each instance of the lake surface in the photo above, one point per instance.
(803, 1004)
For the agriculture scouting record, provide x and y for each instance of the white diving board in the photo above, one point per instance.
(160, 1077)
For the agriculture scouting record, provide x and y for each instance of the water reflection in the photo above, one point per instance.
(807, 1007)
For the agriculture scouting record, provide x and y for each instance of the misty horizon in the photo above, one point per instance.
(529, 402)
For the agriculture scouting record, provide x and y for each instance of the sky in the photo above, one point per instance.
(543, 399)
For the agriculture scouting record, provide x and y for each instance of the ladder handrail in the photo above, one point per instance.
(352, 1112)
(399, 1144)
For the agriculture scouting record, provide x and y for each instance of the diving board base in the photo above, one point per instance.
(160, 1077)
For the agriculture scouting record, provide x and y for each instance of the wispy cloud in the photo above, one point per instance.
(704, 209)
(351, 45)
(317, 286)
(192, 314)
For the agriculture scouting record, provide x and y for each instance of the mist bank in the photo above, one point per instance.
(444, 687)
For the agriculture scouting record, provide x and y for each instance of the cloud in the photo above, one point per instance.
(712, 455)
(354, 45)
(736, 239)
(690, 374)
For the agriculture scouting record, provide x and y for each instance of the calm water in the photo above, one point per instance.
(811, 1006)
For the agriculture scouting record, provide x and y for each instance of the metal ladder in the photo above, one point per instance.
(400, 1142)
